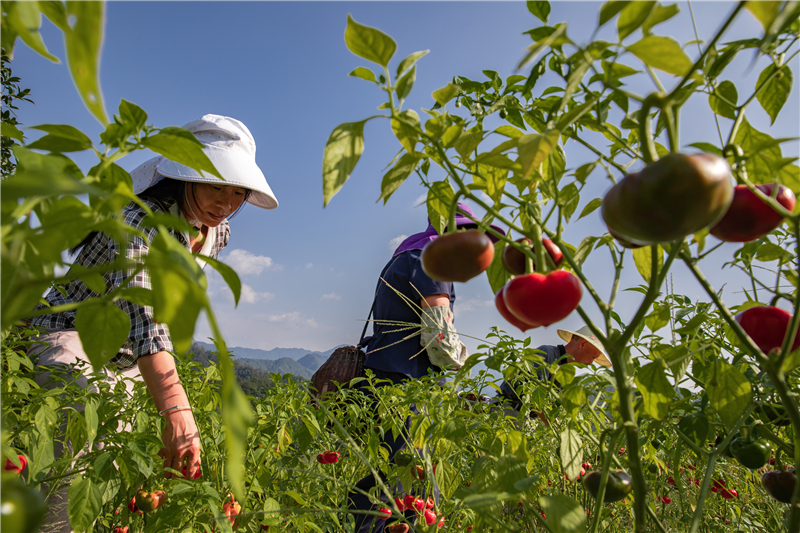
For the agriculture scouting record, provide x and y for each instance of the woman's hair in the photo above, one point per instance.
(165, 191)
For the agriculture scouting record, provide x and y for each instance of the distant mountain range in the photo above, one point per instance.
(295, 361)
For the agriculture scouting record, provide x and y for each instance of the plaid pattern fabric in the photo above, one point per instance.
(146, 336)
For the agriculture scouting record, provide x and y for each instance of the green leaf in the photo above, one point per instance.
(237, 417)
(496, 273)
(632, 16)
(406, 128)
(179, 288)
(791, 361)
(447, 479)
(658, 15)
(584, 249)
(364, 74)
(573, 398)
(643, 259)
(440, 199)
(409, 61)
(509, 131)
(764, 11)
(590, 207)
(760, 160)
(468, 143)
(83, 44)
(658, 318)
(610, 9)
(775, 92)
(342, 151)
(25, 20)
(103, 329)
(540, 10)
(85, 503)
(724, 99)
(179, 145)
(729, 392)
(56, 12)
(571, 451)
(369, 43)
(405, 83)
(695, 426)
(536, 48)
(10, 130)
(564, 514)
(228, 274)
(663, 53)
(397, 175)
(132, 116)
(707, 147)
(61, 138)
(656, 390)
(446, 93)
(92, 421)
(534, 148)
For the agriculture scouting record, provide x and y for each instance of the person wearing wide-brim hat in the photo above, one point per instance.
(581, 347)
(204, 201)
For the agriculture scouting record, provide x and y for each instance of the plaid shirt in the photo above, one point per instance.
(146, 336)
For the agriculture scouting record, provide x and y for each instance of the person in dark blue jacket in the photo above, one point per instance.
(393, 352)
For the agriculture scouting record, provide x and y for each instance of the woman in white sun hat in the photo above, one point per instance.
(207, 203)
(581, 347)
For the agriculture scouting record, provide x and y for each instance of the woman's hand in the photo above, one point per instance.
(181, 443)
(180, 436)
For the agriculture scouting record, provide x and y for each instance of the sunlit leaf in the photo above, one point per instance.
(564, 514)
(440, 200)
(409, 61)
(540, 10)
(723, 100)
(83, 44)
(775, 92)
(656, 390)
(85, 503)
(364, 74)
(534, 148)
(103, 329)
(663, 53)
(406, 129)
(729, 392)
(181, 146)
(342, 151)
(369, 43)
(398, 174)
(632, 17)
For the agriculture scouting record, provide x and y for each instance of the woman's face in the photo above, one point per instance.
(212, 203)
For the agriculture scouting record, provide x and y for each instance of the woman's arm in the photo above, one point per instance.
(180, 436)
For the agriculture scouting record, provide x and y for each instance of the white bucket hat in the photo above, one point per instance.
(586, 333)
(230, 147)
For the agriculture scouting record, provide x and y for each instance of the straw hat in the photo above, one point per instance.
(586, 333)
(230, 147)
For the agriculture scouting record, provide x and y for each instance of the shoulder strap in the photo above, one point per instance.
(371, 309)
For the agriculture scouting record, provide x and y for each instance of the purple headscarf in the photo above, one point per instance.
(419, 240)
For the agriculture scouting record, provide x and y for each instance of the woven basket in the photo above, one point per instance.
(343, 365)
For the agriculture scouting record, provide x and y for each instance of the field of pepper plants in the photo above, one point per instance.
(695, 428)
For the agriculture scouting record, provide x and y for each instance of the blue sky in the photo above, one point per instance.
(281, 68)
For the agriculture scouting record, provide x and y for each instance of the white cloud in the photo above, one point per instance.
(394, 243)
(472, 304)
(331, 296)
(421, 200)
(309, 265)
(248, 296)
(244, 262)
(294, 318)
